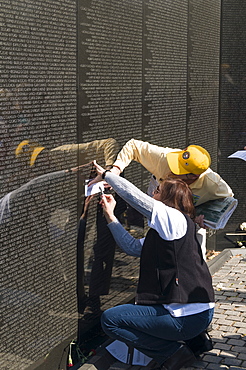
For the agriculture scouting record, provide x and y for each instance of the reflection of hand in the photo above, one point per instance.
(199, 220)
(86, 205)
(87, 202)
(108, 204)
(79, 168)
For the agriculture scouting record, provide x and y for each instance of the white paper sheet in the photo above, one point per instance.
(241, 154)
(140, 359)
(94, 189)
(121, 352)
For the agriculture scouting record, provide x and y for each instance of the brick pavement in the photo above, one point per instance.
(229, 324)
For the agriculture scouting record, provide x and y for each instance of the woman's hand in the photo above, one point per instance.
(199, 220)
(100, 171)
(98, 168)
(108, 204)
(116, 170)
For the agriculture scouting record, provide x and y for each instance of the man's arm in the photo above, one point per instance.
(223, 190)
(217, 187)
(152, 157)
(210, 186)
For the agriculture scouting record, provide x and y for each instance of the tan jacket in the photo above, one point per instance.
(71, 155)
(208, 186)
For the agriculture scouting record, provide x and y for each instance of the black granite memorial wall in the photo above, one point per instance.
(38, 207)
(80, 79)
(232, 106)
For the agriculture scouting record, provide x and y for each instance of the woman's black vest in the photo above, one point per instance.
(173, 271)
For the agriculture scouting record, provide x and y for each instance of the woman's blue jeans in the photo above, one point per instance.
(151, 329)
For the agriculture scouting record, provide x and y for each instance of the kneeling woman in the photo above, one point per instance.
(175, 298)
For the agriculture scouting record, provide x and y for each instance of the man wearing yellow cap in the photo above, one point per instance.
(191, 165)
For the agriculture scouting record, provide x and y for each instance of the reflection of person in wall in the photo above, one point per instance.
(34, 159)
(101, 270)
(191, 165)
(105, 151)
(32, 189)
(42, 159)
(104, 250)
(28, 159)
(35, 217)
(175, 299)
(80, 255)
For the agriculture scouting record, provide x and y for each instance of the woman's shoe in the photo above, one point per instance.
(200, 344)
(183, 357)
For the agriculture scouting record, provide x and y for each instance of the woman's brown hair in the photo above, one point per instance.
(176, 193)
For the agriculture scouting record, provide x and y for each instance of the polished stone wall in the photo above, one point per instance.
(79, 79)
(232, 133)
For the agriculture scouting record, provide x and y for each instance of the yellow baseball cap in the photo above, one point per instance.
(194, 159)
(35, 153)
(30, 149)
(25, 146)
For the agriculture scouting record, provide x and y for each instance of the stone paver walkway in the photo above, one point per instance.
(228, 327)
